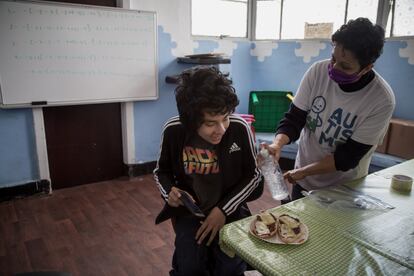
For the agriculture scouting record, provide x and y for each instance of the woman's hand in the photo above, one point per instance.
(211, 225)
(273, 150)
(325, 165)
(294, 175)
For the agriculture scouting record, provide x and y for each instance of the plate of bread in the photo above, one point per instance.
(282, 229)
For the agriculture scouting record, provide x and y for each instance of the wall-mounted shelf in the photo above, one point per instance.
(201, 59)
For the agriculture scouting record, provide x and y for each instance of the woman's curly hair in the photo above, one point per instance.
(364, 39)
(203, 89)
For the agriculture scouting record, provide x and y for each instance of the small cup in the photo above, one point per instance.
(401, 182)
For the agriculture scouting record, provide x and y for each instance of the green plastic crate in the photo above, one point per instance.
(268, 108)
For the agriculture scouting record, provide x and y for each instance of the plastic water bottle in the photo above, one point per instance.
(273, 176)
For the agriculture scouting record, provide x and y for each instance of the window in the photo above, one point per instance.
(268, 21)
(311, 12)
(402, 19)
(296, 19)
(292, 19)
(362, 8)
(219, 17)
(297, 14)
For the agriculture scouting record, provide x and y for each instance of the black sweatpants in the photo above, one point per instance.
(191, 259)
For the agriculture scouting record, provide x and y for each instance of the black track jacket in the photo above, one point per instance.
(241, 180)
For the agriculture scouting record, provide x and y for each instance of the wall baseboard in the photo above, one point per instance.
(24, 190)
(140, 169)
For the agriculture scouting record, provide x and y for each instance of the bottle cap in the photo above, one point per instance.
(264, 152)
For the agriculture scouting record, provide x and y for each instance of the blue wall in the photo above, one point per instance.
(149, 117)
(17, 147)
(282, 70)
(400, 75)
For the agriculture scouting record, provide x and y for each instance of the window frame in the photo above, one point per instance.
(389, 8)
(385, 8)
(224, 37)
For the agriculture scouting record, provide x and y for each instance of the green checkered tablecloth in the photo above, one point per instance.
(341, 241)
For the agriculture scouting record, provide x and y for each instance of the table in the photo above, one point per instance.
(341, 242)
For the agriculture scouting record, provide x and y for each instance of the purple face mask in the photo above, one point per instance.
(341, 77)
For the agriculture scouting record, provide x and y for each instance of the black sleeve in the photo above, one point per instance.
(348, 155)
(163, 172)
(292, 123)
(250, 185)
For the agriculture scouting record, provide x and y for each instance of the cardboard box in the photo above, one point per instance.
(401, 137)
(318, 30)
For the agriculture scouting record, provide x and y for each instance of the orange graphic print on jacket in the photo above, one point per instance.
(200, 161)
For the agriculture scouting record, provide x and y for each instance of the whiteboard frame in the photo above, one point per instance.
(84, 102)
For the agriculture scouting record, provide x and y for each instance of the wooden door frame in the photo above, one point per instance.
(41, 147)
(128, 139)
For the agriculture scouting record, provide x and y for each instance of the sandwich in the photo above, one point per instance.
(265, 225)
(289, 229)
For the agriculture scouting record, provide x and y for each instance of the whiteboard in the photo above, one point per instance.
(61, 54)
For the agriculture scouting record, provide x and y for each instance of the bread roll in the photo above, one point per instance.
(289, 229)
(265, 225)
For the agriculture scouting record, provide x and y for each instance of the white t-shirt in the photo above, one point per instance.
(334, 116)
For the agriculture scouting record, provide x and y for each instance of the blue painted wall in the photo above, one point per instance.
(149, 117)
(282, 70)
(399, 73)
(17, 147)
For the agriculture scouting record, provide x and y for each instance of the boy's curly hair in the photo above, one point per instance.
(203, 89)
(364, 39)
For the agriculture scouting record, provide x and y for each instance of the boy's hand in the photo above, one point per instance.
(211, 225)
(174, 197)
